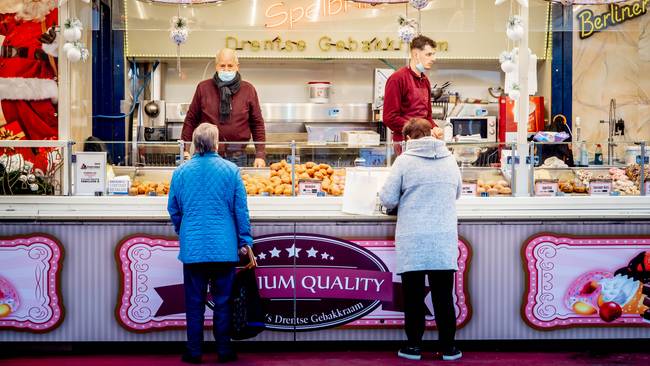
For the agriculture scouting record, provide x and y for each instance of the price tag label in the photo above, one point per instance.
(309, 187)
(546, 188)
(468, 189)
(600, 187)
(119, 186)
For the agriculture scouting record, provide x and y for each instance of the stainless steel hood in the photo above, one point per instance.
(295, 112)
(316, 113)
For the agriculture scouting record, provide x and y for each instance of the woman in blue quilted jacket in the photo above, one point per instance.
(207, 205)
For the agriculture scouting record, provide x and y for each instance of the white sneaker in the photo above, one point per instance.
(410, 353)
(454, 355)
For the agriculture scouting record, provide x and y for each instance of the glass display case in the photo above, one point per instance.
(485, 167)
(572, 170)
(303, 169)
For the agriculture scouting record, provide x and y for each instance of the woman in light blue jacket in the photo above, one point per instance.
(207, 205)
(424, 184)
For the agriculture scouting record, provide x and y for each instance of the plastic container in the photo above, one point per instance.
(319, 91)
(633, 155)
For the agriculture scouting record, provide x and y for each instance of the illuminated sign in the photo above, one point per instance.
(279, 13)
(273, 44)
(590, 24)
(325, 44)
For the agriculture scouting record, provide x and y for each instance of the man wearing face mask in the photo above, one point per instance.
(408, 91)
(233, 106)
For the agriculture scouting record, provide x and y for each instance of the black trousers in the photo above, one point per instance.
(196, 277)
(442, 287)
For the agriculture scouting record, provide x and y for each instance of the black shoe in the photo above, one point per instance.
(410, 353)
(452, 355)
(227, 357)
(187, 358)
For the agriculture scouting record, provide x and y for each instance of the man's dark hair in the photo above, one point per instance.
(420, 42)
(95, 144)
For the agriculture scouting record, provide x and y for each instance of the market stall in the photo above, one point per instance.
(546, 250)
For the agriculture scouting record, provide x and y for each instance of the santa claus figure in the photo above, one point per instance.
(28, 69)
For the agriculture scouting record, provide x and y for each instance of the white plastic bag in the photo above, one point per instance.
(360, 196)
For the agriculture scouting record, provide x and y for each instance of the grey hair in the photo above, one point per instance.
(205, 138)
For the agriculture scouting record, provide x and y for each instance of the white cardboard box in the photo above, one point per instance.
(360, 138)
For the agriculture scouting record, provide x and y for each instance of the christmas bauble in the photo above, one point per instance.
(73, 54)
(179, 36)
(66, 47)
(71, 34)
(508, 66)
(515, 32)
(419, 4)
(406, 33)
(514, 94)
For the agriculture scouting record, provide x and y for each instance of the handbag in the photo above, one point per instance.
(246, 303)
(389, 211)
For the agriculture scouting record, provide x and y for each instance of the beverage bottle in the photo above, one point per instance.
(584, 155)
(598, 155)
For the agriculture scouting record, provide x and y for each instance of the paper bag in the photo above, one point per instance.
(361, 188)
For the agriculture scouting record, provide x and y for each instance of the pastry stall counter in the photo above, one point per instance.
(129, 209)
(109, 261)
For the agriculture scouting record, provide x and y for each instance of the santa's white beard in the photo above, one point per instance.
(35, 9)
(9, 6)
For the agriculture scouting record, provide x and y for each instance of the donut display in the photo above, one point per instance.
(610, 296)
(9, 300)
(583, 294)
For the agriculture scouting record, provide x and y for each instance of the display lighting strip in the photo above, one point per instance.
(548, 53)
(126, 29)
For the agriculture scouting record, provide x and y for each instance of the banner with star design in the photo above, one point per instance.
(332, 282)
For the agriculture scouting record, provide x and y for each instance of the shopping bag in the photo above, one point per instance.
(246, 304)
(361, 189)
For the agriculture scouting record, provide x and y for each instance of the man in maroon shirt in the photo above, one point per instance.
(408, 91)
(232, 105)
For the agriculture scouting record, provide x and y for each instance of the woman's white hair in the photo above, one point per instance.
(205, 138)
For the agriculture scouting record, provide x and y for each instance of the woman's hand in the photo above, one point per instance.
(243, 250)
(437, 132)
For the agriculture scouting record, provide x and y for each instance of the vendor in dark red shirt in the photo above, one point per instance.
(232, 105)
(408, 91)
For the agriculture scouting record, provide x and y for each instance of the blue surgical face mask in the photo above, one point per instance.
(420, 66)
(227, 75)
